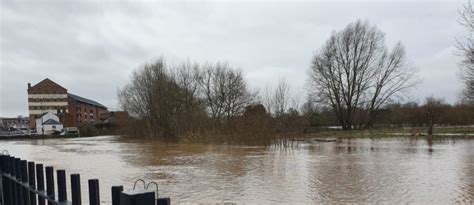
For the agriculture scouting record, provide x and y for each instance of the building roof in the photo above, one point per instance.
(51, 122)
(85, 100)
(45, 113)
(46, 82)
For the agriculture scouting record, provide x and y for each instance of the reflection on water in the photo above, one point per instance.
(360, 170)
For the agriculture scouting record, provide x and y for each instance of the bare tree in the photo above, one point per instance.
(187, 76)
(190, 107)
(165, 102)
(277, 98)
(224, 90)
(267, 98)
(465, 46)
(281, 97)
(433, 109)
(354, 71)
(390, 78)
(152, 97)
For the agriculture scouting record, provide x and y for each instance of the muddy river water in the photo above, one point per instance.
(391, 170)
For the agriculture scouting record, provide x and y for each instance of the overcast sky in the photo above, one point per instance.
(92, 47)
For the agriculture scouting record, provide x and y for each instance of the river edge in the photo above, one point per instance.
(34, 137)
(325, 136)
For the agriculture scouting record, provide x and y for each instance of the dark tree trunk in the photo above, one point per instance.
(430, 127)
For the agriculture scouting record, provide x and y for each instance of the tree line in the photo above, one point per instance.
(354, 82)
(192, 102)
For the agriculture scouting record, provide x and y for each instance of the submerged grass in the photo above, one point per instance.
(416, 132)
(289, 140)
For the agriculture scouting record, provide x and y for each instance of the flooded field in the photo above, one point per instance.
(392, 170)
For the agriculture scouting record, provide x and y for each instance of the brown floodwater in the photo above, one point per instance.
(391, 170)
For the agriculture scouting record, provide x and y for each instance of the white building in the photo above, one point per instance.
(48, 123)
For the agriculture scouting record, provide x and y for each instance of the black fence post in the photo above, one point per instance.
(141, 197)
(2, 167)
(11, 186)
(62, 193)
(163, 201)
(116, 190)
(32, 182)
(7, 164)
(24, 180)
(94, 196)
(19, 193)
(40, 182)
(50, 183)
(13, 175)
(76, 189)
(6, 185)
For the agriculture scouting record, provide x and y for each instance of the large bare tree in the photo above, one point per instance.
(465, 46)
(355, 73)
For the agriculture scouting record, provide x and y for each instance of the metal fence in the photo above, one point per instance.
(23, 183)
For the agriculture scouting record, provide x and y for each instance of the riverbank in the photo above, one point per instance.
(325, 135)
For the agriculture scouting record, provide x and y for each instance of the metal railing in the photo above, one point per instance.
(23, 183)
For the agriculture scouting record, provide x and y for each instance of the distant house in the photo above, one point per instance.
(14, 123)
(113, 119)
(48, 123)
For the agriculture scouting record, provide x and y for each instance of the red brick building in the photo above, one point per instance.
(72, 110)
(84, 111)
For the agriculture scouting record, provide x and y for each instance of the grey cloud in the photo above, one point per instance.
(92, 47)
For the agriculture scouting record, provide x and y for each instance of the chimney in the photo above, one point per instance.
(29, 86)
